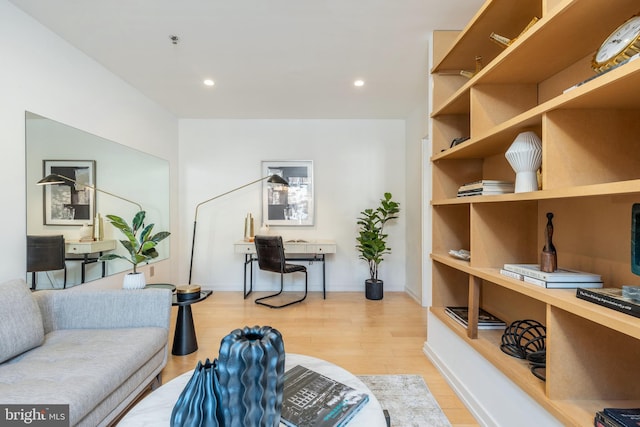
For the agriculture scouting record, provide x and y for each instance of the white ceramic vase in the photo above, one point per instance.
(525, 157)
(134, 281)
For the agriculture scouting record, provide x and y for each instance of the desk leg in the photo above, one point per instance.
(184, 339)
(248, 259)
(324, 292)
(84, 263)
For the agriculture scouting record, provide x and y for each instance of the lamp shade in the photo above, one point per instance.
(525, 157)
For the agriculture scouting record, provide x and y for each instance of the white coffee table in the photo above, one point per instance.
(155, 409)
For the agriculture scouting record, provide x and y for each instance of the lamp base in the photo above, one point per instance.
(526, 181)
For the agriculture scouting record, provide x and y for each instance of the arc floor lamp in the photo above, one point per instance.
(54, 178)
(274, 179)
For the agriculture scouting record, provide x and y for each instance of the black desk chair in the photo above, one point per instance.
(270, 251)
(45, 253)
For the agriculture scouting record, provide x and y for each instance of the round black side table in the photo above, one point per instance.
(184, 338)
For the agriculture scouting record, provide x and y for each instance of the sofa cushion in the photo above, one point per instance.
(20, 320)
(80, 367)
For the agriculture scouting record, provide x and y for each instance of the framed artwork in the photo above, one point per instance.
(74, 201)
(292, 205)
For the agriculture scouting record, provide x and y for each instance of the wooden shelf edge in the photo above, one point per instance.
(594, 190)
(564, 299)
(570, 412)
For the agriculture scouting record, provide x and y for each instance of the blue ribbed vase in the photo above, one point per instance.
(251, 376)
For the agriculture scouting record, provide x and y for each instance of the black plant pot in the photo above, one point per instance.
(374, 289)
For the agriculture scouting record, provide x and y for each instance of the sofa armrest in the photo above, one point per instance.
(104, 309)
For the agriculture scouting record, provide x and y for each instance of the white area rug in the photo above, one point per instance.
(407, 399)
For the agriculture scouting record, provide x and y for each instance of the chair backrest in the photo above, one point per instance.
(45, 253)
(270, 251)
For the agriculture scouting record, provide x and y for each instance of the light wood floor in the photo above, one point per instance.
(365, 337)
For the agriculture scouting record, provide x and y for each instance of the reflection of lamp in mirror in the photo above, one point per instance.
(55, 179)
(525, 157)
(274, 179)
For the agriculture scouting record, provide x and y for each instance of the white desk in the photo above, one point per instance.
(308, 250)
(76, 247)
(155, 409)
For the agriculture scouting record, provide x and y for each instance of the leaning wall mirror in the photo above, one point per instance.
(94, 177)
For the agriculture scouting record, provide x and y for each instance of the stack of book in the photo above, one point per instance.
(485, 187)
(617, 417)
(486, 320)
(561, 278)
(611, 298)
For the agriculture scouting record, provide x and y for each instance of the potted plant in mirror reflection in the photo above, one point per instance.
(141, 248)
(372, 241)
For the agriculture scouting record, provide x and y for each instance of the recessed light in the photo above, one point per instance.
(209, 82)
(358, 83)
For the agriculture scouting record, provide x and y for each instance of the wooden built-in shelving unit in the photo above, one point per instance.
(590, 179)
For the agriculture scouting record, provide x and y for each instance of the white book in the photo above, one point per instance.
(511, 274)
(562, 285)
(560, 275)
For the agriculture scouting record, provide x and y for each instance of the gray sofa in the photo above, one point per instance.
(96, 350)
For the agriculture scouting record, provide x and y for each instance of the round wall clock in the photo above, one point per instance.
(622, 44)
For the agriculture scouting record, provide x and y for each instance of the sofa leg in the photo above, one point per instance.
(157, 381)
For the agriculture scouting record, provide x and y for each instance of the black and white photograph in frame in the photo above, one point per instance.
(72, 202)
(292, 205)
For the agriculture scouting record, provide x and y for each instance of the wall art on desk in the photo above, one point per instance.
(71, 202)
(293, 205)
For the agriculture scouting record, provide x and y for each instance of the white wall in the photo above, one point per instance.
(355, 162)
(42, 73)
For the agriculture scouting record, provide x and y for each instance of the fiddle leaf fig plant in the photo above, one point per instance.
(141, 248)
(372, 241)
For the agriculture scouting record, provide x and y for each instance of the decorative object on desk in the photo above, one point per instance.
(248, 228)
(86, 233)
(526, 339)
(187, 292)
(251, 376)
(98, 228)
(292, 204)
(275, 179)
(334, 403)
(549, 256)
(68, 199)
(372, 241)
(525, 157)
(141, 249)
(620, 45)
(506, 42)
(198, 404)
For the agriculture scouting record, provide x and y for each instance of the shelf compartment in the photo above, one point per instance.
(451, 228)
(504, 17)
(446, 128)
(450, 286)
(573, 138)
(503, 233)
(534, 57)
(617, 89)
(451, 174)
(492, 105)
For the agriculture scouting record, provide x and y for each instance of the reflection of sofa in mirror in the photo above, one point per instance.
(95, 350)
(119, 170)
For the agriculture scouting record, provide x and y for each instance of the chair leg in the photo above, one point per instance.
(259, 300)
(33, 280)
